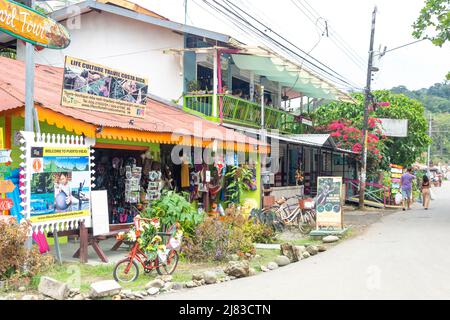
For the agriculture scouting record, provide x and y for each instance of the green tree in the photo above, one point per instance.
(434, 15)
(433, 23)
(403, 151)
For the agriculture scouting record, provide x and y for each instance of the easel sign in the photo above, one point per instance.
(100, 216)
(329, 204)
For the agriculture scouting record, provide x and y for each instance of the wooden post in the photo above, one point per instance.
(84, 242)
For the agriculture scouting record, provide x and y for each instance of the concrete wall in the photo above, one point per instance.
(126, 45)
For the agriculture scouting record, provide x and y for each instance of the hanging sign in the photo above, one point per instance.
(5, 204)
(31, 26)
(396, 174)
(329, 208)
(98, 88)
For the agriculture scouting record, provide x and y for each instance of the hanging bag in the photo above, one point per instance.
(398, 198)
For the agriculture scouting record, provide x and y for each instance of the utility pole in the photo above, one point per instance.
(430, 132)
(29, 80)
(362, 182)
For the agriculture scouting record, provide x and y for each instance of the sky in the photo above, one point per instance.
(349, 21)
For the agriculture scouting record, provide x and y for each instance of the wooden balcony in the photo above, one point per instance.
(242, 112)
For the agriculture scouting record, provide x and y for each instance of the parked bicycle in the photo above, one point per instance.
(127, 270)
(302, 214)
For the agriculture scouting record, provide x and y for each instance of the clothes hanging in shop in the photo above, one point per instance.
(185, 174)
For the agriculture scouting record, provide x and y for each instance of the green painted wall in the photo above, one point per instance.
(254, 197)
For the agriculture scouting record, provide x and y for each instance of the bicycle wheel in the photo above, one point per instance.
(121, 274)
(304, 223)
(170, 265)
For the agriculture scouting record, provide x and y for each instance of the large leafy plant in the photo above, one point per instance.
(174, 207)
(239, 178)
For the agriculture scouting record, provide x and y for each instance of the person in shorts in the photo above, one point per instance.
(406, 182)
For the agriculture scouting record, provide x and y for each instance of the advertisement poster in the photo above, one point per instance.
(396, 174)
(60, 183)
(329, 210)
(99, 88)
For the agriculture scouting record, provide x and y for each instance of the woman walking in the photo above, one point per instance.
(425, 188)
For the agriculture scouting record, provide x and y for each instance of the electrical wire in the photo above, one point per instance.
(314, 18)
(237, 18)
(338, 36)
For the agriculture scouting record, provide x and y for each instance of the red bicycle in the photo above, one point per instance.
(127, 270)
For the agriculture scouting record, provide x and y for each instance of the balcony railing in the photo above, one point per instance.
(241, 112)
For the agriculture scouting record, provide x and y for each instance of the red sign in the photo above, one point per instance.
(37, 165)
(6, 204)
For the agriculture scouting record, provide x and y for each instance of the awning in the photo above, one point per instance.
(162, 123)
(289, 75)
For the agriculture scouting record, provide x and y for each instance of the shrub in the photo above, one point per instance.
(174, 207)
(259, 232)
(215, 239)
(16, 261)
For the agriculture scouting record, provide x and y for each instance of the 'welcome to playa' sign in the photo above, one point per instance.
(32, 26)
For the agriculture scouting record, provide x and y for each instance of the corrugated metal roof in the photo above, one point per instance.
(159, 117)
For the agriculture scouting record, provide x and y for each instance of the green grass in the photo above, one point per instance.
(81, 276)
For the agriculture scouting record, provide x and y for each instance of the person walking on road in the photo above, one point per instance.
(406, 184)
(425, 188)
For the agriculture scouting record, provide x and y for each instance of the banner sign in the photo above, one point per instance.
(31, 26)
(58, 174)
(394, 127)
(95, 87)
(328, 206)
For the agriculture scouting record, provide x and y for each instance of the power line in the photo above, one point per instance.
(402, 46)
(357, 60)
(237, 17)
(340, 38)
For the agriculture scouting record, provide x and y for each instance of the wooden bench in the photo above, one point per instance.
(88, 239)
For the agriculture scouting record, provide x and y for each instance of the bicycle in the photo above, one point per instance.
(304, 217)
(127, 270)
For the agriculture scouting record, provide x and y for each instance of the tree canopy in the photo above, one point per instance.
(402, 151)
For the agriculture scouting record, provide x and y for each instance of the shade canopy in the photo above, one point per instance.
(289, 75)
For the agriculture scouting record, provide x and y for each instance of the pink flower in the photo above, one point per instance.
(357, 147)
(336, 134)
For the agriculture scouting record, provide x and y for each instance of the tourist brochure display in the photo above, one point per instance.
(95, 87)
(328, 203)
(32, 26)
(56, 180)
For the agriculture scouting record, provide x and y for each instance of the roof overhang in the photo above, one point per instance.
(91, 5)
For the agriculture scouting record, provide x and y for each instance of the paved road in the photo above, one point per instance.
(403, 256)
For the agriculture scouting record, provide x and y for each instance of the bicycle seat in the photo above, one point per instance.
(281, 200)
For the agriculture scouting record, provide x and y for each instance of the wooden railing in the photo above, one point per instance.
(242, 112)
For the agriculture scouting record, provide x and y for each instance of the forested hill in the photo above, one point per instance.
(436, 98)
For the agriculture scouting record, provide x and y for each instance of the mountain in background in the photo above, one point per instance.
(436, 100)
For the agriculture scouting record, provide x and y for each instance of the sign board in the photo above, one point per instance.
(396, 174)
(6, 186)
(100, 216)
(32, 26)
(307, 122)
(394, 127)
(328, 203)
(58, 171)
(5, 156)
(98, 88)
(6, 204)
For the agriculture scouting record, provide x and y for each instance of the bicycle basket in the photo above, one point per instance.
(306, 204)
